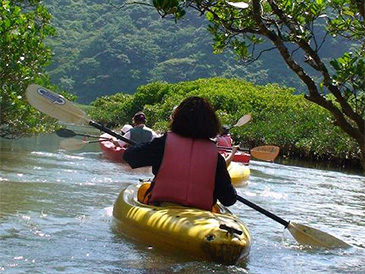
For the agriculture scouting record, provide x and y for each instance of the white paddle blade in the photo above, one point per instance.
(55, 105)
(243, 120)
(239, 5)
(306, 235)
(71, 144)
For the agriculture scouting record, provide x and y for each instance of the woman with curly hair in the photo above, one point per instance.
(187, 166)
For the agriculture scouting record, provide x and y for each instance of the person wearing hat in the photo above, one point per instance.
(140, 133)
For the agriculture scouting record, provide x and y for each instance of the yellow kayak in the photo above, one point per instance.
(219, 237)
(239, 174)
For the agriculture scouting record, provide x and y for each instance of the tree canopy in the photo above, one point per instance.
(291, 27)
(24, 25)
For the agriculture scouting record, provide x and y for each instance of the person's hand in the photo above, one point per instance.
(235, 149)
(230, 156)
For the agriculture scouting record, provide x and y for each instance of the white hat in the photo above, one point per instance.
(126, 128)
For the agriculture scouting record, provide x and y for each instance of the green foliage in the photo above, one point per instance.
(102, 49)
(166, 7)
(350, 75)
(111, 109)
(279, 117)
(24, 25)
(301, 30)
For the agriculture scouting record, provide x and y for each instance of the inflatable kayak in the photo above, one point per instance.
(242, 157)
(239, 157)
(239, 174)
(110, 151)
(219, 237)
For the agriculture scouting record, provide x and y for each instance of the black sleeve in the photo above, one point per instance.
(224, 190)
(146, 154)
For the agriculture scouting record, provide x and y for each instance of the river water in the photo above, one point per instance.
(56, 216)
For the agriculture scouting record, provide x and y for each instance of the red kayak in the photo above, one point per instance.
(240, 157)
(110, 151)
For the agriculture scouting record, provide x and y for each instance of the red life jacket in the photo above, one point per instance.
(187, 172)
(224, 141)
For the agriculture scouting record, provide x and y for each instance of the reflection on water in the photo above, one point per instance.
(345, 167)
(55, 216)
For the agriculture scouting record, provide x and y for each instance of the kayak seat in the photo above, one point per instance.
(143, 197)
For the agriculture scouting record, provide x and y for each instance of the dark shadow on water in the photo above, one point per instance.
(322, 165)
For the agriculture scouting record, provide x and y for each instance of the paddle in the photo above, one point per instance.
(67, 133)
(60, 108)
(303, 234)
(242, 121)
(240, 5)
(76, 144)
(266, 153)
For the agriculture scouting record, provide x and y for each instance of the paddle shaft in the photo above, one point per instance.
(75, 144)
(111, 132)
(230, 148)
(87, 135)
(96, 141)
(263, 211)
(67, 133)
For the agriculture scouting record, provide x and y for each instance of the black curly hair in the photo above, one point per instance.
(195, 118)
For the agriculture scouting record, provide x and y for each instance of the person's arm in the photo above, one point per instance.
(224, 190)
(230, 156)
(154, 135)
(122, 143)
(146, 154)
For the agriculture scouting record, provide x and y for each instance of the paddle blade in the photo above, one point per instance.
(55, 105)
(266, 153)
(306, 235)
(65, 133)
(243, 120)
(71, 144)
(240, 5)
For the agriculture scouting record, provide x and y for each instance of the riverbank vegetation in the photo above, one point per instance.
(23, 58)
(301, 129)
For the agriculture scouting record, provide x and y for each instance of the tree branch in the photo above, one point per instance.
(320, 67)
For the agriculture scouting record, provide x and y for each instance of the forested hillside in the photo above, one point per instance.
(100, 50)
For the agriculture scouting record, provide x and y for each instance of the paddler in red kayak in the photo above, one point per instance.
(140, 133)
(187, 166)
(224, 139)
